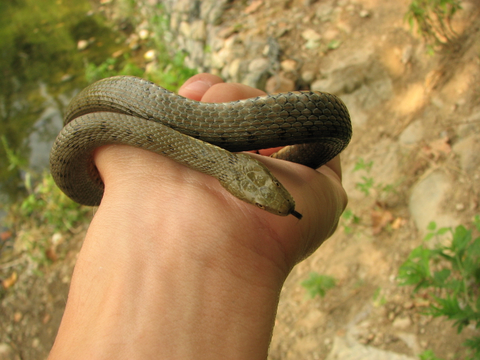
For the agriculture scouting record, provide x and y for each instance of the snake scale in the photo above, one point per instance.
(203, 136)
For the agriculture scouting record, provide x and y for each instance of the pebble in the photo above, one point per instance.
(427, 198)
(312, 38)
(6, 352)
(82, 44)
(364, 13)
(468, 149)
(289, 65)
(150, 55)
(345, 348)
(279, 83)
(144, 34)
(402, 323)
(308, 76)
(412, 134)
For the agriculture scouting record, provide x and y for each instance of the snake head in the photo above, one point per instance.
(255, 184)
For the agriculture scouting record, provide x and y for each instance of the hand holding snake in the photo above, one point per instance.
(131, 111)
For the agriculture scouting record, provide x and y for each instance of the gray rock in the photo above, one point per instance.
(212, 10)
(349, 349)
(427, 201)
(257, 75)
(368, 80)
(468, 149)
(412, 134)
(308, 76)
(6, 352)
(279, 83)
(198, 30)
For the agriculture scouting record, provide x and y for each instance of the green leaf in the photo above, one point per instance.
(474, 344)
(416, 270)
(476, 222)
(443, 230)
(432, 225)
(461, 238)
(428, 355)
(362, 165)
(474, 249)
(318, 284)
(333, 44)
(428, 236)
(441, 276)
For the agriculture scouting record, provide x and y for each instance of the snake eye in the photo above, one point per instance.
(277, 184)
(260, 206)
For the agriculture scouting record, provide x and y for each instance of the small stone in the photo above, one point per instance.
(468, 150)
(227, 32)
(277, 84)
(364, 13)
(46, 318)
(17, 316)
(234, 69)
(402, 323)
(6, 352)
(308, 76)
(150, 55)
(144, 34)
(82, 44)
(426, 198)
(407, 54)
(185, 29)
(412, 134)
(460, 207)
(198, 30)
(117, 54)
(289, 65)
(324, 10)
(312, 37)
(66, 77)
(253, 6)
(408, 305)
(258, 65)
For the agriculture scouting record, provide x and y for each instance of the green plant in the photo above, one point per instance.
(44, 211)
(112, 67)
(378, 298)
(350, 220)
(433, 20)
(428, 355)
(368, 182)
(449, 275)
(171, 71)
(317, 284)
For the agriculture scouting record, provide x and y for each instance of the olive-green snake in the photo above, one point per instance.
(128, 110)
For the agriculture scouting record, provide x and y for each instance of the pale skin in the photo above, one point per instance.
(174, 267)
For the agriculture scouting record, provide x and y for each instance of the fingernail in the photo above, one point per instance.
(197, 87)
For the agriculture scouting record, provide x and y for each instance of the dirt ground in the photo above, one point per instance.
(442, 91)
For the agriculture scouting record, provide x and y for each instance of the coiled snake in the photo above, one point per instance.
(128, 110)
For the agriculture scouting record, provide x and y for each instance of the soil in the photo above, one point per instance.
(441, 91)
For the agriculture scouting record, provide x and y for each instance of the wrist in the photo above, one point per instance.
(209, 292)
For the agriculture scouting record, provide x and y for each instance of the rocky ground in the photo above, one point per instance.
(416, 121)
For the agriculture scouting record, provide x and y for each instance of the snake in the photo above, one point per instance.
(311, 126)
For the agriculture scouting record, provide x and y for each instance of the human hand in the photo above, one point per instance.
(319, 194)
(175, 265)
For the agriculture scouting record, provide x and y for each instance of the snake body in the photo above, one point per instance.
(132, 111)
